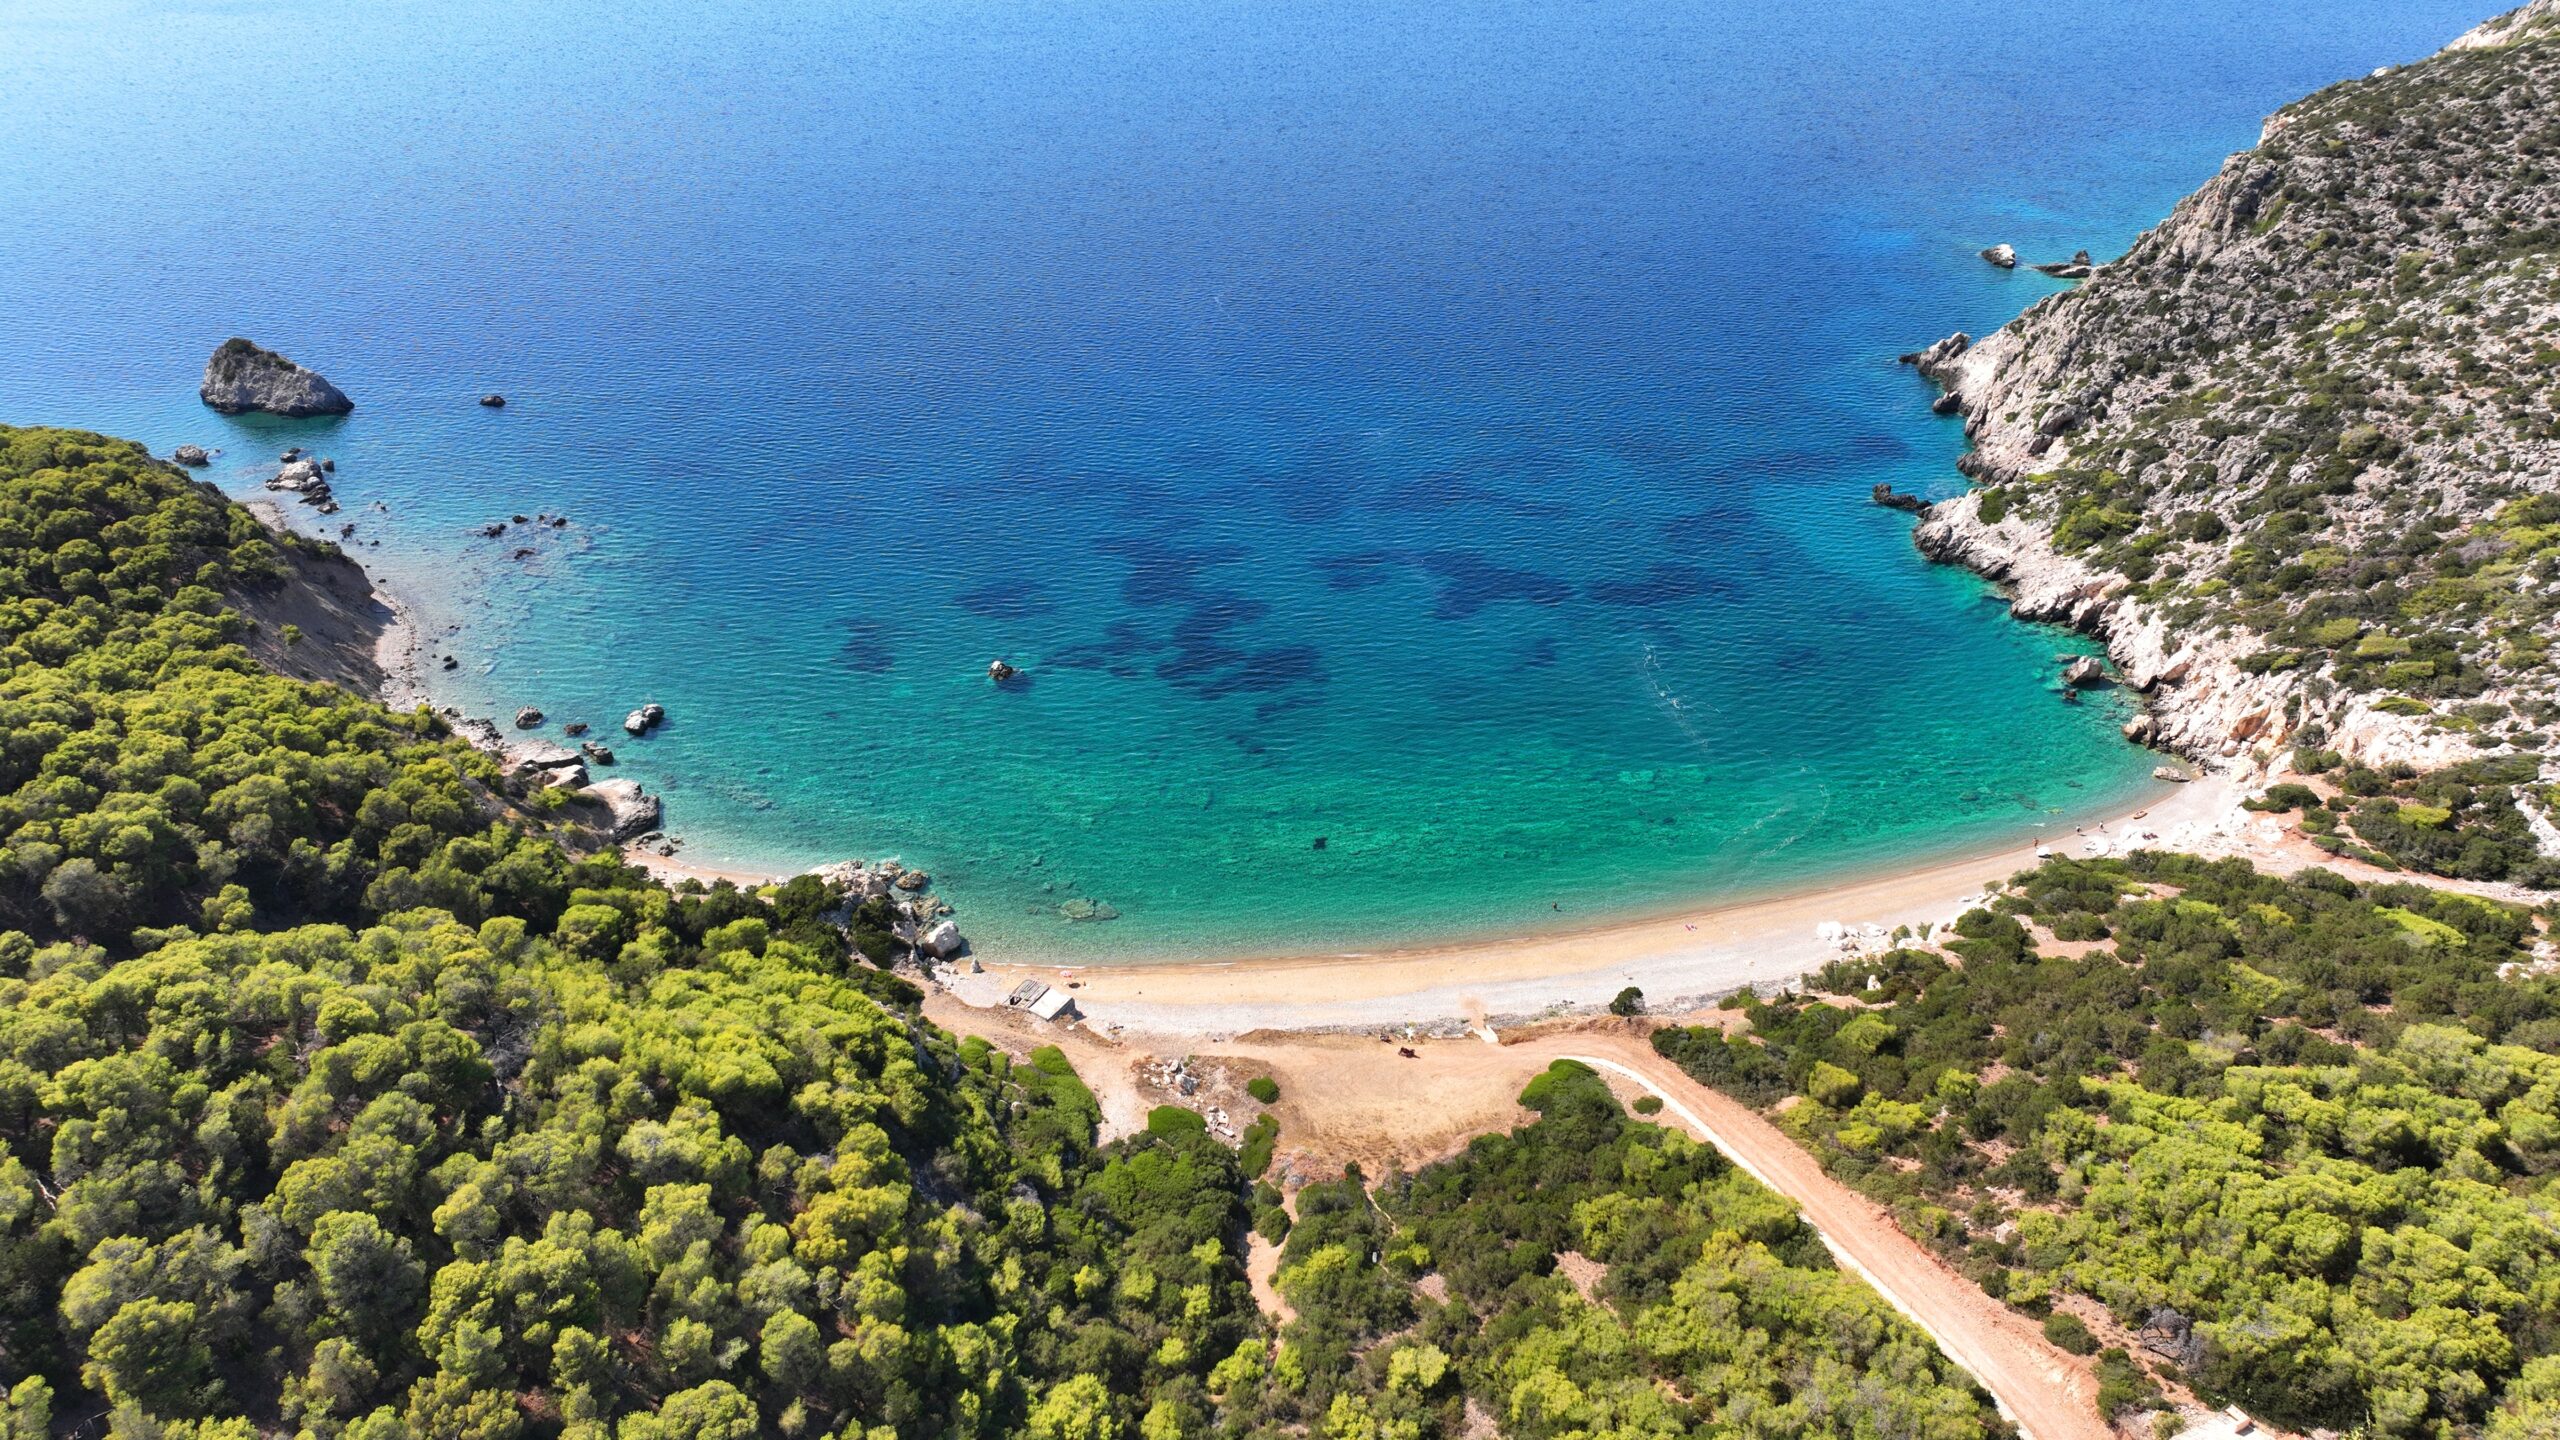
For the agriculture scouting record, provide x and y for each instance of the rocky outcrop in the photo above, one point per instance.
(918, 919)
(634, 811)
(1932, 362)
(302, 476)
(2517, 24)
(645, 719)
(192, 456)
(1000, 671)
(307, 478)
(2296, 456)
(2203, 703)
(494, 401)
(2086, 671)
(242, 377)
(2004, 256)
(1892, 499)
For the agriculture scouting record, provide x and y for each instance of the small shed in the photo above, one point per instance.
(1054, 1005)
(1025, 994)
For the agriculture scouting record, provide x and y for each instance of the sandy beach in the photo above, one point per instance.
(1676, 959)
(675, 869)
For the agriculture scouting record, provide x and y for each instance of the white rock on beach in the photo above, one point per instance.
(634, 811)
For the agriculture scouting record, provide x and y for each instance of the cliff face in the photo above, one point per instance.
(2296, 455)
(340, 625)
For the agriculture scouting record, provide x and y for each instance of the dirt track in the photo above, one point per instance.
(1347, 1098)
(2050, 1394)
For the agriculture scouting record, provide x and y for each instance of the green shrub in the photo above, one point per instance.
(2070, 1332)
(1173, 1122)
(1263, 1088)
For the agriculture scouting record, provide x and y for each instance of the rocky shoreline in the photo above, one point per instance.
(920, 922)
(2200, 703)
(2231, 454)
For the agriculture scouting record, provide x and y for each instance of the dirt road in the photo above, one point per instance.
(2048, 1393)
(1346, 1098)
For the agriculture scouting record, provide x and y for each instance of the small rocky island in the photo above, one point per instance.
(243, 376)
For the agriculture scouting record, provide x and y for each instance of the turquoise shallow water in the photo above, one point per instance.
(1418, 453)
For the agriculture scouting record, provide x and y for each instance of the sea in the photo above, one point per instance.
(1417, 453)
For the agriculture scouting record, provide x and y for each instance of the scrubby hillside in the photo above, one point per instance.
(2291, 1142)
(2297, 454)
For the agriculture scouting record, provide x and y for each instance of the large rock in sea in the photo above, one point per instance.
(243, 376)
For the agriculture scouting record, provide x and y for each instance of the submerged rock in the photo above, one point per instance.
(1892, 499)
(999, 671)
(600, 754)
(527, 718)
(191, 455)
(243, 376)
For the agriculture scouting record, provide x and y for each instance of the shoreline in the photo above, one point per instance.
(1684, 956)
(1678, 961)
(1681, 957)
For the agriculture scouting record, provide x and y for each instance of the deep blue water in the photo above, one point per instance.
(1436, 430)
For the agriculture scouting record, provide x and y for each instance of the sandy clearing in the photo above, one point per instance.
(1352, 1098)
(1261, 1266)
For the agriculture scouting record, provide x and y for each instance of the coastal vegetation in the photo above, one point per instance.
(2290, 1141)
(343, 1094)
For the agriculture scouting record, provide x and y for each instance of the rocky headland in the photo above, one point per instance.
(243, 376)
(2295, 457)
